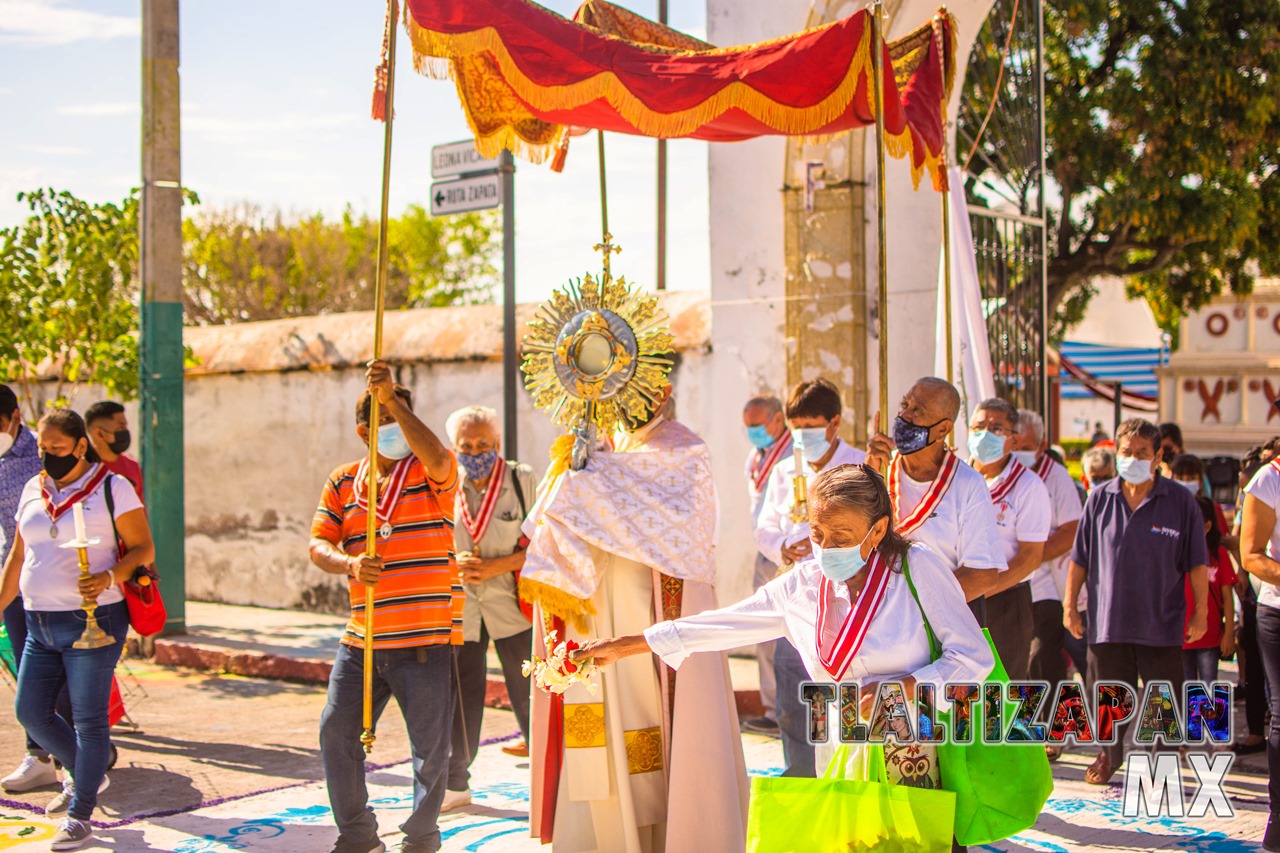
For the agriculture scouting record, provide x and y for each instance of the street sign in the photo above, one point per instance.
(459, 158)
(476, 193)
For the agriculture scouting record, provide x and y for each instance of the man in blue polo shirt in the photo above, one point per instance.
(1139, 537)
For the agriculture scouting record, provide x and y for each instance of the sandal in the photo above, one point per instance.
(1246, 748)
(1053, 753)
(1100, 771)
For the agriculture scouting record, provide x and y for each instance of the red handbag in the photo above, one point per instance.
(147, 613)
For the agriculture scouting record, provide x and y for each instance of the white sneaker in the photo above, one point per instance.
(60, 803)
(32, 773)
(72, 834)
(455, 800)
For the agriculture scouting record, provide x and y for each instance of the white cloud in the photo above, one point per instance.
(45, 22)
(117, 108)
(6, 90)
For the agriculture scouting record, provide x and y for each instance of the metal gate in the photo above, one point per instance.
(1000, 144)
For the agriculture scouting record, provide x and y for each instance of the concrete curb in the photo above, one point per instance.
(282, 668)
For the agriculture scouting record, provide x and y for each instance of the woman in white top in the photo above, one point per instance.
(52, 592)
(849, 610)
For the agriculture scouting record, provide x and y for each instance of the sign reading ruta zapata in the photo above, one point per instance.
(526, 77)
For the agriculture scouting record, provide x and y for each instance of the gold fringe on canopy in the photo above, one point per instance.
(557, 602)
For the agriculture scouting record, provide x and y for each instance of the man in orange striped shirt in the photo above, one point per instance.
(417, 617)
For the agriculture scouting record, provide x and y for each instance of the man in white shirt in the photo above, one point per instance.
(770, 442)
(937, 499)
(1050, 580)
(813, 412)
(1023, 514)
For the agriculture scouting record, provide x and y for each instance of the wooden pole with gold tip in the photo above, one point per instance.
(882, 305)
(367, 736)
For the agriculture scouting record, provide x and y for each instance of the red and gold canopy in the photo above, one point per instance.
(525, 75)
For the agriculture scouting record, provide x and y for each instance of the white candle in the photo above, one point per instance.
(799, 456)
(77, 510)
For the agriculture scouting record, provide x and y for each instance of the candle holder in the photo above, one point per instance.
(93, 637)
(800, 499)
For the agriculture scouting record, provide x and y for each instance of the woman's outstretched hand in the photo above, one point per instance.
(609, 649)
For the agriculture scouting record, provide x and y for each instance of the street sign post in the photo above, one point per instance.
(479, 183)
(477, 192)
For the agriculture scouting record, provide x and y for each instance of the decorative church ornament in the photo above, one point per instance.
(595, 357)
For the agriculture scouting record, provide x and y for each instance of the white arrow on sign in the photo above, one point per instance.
(458, 158)
(479, 193)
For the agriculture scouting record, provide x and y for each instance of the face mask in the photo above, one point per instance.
(392, 443)
(812, 442)
(759, 437)
(58, 467)
(1133, 471)
(840, 564)
(909, 438)
(1192, 486)
(6, 443)
(121, 442)
(986, 447)
(1027, 458)
(478, 465)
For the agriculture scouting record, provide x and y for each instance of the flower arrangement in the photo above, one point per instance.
(557, 673)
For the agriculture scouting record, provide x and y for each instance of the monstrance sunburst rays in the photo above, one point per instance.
(595, 355)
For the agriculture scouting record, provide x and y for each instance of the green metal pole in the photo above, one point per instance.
(160, 223)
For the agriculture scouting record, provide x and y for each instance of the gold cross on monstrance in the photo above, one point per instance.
(607, 248)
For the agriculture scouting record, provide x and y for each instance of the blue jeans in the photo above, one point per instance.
(49, 662)
(421, 679)
(793, 713)
(1200, 664)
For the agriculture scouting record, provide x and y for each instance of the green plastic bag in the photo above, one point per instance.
(7, 659)
(1000, 788)
(838, 815)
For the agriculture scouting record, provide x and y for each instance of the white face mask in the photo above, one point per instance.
(1133, 471)
(1192, 486)
(6, 443)
(1026, 457)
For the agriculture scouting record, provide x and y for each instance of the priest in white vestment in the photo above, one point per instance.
(652, 762)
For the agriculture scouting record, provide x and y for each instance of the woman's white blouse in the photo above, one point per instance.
(50, 574)
(895, 644)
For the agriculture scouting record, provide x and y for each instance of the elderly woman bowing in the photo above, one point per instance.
(849, 610)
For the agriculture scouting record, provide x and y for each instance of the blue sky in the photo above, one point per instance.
(276, 112)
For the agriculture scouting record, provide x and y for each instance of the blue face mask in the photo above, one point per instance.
(812, 442)
(478, 465)
(392, 443)
(759, 437)
(840, 564)
(909, 438)
(1133, 471)
(986, 447)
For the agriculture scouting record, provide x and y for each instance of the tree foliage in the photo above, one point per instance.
(1163, 134)
(68, 296)
(241, 264)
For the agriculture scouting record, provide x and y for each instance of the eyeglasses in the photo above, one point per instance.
(1003, 432)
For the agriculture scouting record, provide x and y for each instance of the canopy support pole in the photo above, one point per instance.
(882, 249)
(379, 298)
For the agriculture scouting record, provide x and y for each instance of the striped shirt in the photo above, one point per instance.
(418, 598)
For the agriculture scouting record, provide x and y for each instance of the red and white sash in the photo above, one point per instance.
(762, 467)
(836, 659)
(477, 525)
(93, 480)
(389, 495)
(1044, 466)
(937, 490)
(1000, 492)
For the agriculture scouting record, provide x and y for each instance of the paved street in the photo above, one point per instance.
(225, 763)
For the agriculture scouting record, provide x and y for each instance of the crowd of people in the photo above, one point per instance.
(1127, 574)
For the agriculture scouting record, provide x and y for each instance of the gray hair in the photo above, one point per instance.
(995, 404)
(1028, 419)
(771, 404)
(1097, 460)
(468, 415)
(1139, 428)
